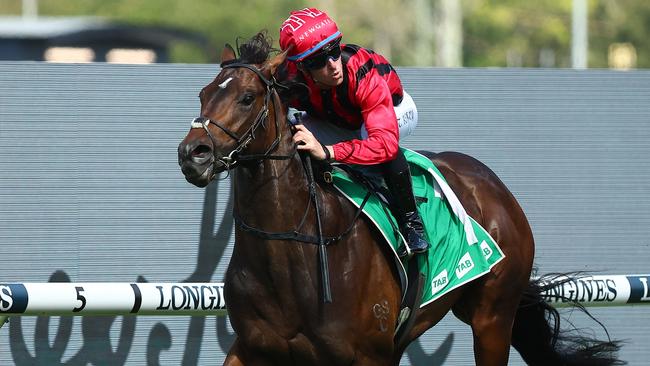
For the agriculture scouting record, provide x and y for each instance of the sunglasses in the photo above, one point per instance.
(320, 59)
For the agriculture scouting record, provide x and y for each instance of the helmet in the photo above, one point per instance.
(307, 30)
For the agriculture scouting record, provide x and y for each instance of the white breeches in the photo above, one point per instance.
(329, 133)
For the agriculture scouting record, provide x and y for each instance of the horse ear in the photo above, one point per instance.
(271, 66)
(228, 53)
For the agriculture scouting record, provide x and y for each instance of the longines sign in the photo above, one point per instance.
(601, 290)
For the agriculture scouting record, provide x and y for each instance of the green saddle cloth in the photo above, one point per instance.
(454, 258)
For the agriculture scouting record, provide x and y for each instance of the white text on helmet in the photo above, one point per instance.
(294, 22)
(313, 29)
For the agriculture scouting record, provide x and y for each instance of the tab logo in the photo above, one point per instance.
(485, 248)
(439, 282)
(464, 266)
(6, 298)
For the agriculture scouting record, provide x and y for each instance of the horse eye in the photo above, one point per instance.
(248, 99)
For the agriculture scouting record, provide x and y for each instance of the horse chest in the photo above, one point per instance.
(266, 296)
(272, 321)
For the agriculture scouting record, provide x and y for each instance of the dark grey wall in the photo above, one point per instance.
(90, 191)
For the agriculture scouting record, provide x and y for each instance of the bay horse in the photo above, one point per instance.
(273, 283)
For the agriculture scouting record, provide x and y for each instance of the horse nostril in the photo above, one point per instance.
(194, 153)
(201, 150)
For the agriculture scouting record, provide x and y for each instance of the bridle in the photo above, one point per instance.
(235, 156)
(231, 159)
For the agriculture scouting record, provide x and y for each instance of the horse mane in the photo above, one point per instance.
(255, 50)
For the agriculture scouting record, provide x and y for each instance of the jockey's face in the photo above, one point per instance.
(328, 76)
(325, 66)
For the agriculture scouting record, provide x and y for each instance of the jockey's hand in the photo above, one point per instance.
(306, 141)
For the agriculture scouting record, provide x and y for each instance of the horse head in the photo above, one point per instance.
(241, 115)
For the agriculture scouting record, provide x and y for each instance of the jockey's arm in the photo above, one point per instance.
(380, 122)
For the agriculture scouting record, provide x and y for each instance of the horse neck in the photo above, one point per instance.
(268, 186)
(269, 193)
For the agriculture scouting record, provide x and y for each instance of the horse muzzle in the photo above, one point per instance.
(198, 164)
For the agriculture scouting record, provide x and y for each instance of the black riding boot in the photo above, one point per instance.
(398, 180)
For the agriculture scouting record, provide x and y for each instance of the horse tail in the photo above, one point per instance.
(538, 338)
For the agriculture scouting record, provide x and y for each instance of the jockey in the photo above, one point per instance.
(359, 93)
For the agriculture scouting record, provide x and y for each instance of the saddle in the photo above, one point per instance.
(461, 250)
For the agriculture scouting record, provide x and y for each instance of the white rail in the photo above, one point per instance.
(107, 298)
(601, 290)
(95, 298)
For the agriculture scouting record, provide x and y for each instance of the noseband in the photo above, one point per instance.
(231, 159)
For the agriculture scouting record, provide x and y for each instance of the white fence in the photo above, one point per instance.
(111, 299)
(601, 290)
(208, 299)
